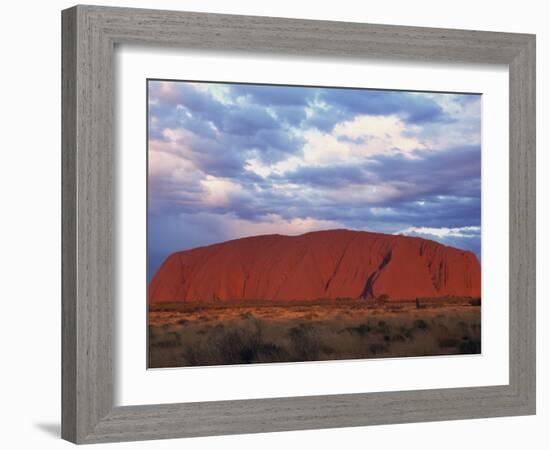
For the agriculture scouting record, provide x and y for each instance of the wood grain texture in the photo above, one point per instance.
(68, 226)
(89, 36)
(523, 224)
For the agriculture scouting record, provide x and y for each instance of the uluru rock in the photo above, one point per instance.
(318, 265)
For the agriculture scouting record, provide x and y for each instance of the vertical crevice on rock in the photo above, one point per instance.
(244, 284)
(368, 292)
(335, 271)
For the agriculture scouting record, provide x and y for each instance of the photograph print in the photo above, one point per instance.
(301, 223)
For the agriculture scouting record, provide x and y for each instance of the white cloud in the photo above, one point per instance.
(264, 170)
(381, 134)
(464, 126)
(218, 91)
(275, 224)
(374, 135)
(218, 191)
(168, 161)
(363, 194)
(443, 232)
(324, 149)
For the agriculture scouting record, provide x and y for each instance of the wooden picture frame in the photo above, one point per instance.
(90, 34)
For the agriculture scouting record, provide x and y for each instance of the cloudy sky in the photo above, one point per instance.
(233, 160)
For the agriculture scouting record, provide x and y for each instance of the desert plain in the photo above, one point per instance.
(241, 332)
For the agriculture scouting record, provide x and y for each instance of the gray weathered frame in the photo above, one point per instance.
(89, 36)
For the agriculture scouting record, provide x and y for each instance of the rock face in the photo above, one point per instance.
(323, 264)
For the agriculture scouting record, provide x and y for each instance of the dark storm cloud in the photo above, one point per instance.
(246, 121)
(344, 104)
(326, 176)
(228, 128)
(435, 189)
(455, 171)
(287, 104)
(269, 145)
(412, 108)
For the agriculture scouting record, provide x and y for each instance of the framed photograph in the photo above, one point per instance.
(307, 210)
(288, 223)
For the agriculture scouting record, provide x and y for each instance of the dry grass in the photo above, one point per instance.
(200, 334)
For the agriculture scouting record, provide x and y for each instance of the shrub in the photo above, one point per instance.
(418, 305)
(470, 347)
(421, 324)
(165, 344)
(361, 330)
(376, 349)
(448, 342)
(305, 346)
(398, 338)
(271, 352)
